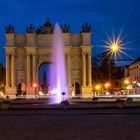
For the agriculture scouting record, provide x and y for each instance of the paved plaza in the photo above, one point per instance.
(93, 124)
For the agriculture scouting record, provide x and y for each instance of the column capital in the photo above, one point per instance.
(7, 54)
(68, 54)
(84, 53)
(67, 49)
(28, 54)
(34, 54)
(13, 54)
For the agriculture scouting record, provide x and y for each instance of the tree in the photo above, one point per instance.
(102, 67)
(2, 78)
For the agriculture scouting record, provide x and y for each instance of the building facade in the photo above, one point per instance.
(26, 53)
(134, 76)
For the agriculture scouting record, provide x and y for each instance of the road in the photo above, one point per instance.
(93, 124)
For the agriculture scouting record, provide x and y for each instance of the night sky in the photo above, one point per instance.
(104, 16)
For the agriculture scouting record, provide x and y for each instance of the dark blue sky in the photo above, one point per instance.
(103, 15)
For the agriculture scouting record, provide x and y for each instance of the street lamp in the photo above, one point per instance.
(107, 87)
(114, 47)
(35, 88)
(126, 82)
(97, 88)
(127, 86)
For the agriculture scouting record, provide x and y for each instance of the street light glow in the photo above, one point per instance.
(34, 85)
(115, 45)
(107, 85)
(126, 82)
(97, 87)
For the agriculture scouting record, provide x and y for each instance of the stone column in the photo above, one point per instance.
(28, 71)
(7, 71)
(34, 68)
(89, 70)
(13, 71)
(69, 70)
(84, 69)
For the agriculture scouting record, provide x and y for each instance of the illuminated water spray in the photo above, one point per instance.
(58, 80)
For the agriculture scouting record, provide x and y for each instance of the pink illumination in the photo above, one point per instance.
(34, 85)
(58, 70)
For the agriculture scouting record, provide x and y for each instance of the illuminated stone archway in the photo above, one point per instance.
(43, 86)
(24, 54)
(21, 89)
(76, 88)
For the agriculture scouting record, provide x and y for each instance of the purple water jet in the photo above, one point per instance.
(58, 71)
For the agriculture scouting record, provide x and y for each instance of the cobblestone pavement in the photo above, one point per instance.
(96, 124)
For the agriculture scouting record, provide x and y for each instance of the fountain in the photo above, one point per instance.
(58, 81)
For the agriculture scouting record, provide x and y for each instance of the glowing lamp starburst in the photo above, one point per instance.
(97, 87)
(107, 85)
(126, 82)
(115, 45)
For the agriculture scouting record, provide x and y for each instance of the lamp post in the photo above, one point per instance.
(107, 87)
(35, 89)
(97, 88)
(126, 82)
(114, 49)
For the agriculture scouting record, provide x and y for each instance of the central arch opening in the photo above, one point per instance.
(21, 89)
(43, 78)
